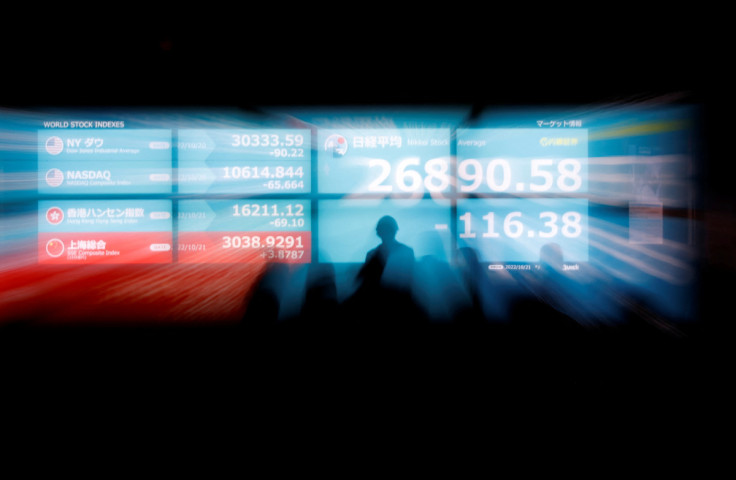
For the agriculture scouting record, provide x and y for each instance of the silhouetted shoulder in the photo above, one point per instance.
(403, 250)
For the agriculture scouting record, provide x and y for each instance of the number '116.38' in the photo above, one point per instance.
(513, 225)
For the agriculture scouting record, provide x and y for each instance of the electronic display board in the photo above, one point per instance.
(597, 193)
(104, 161)
(104, 231)
(517, 230)
(378, 162)
(235, 231)
(384, 161)
(247, 161)
(522, 160)
(347, 227)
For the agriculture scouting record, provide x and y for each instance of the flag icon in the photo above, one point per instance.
(54, 145)
(54, 215)
(55, 247)
(54, 177)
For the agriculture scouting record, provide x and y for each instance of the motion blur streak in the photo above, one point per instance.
(673, 260)
(18, 181)
(639, 265)
(127, 295)
(630, 130)
(613, 179)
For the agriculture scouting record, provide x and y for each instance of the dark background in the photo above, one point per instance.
(306, 54)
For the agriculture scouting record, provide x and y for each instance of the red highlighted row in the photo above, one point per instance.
(158, 247)
(244, 247)
(65, 248)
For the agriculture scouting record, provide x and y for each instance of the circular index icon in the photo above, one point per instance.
(54, 215)
(54, 177)
(55, 247)
(54, 145)
(337, 144)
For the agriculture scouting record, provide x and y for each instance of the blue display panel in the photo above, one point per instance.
(522, 160)
(104, 231)
(347, 227)
(524, 230)
(250, 161)
(99, 161)
(244, 231)
(384, 161)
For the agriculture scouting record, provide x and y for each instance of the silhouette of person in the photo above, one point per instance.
(320, 301)
(551, 257)
(384, 294)
(263, 308)
(436, 287)
(391, 263)
(476, 286)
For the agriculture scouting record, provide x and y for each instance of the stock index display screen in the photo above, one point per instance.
(516, 191)
(247, 161)
(453, 182)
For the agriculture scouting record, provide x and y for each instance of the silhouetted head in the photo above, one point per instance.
(551, 255)
(467, 257)
(386, 228)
